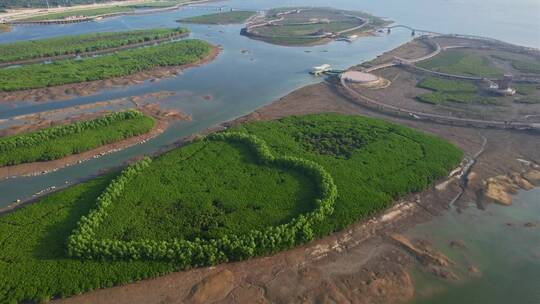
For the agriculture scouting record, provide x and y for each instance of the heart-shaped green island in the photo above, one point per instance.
(253, 189)
(224, 198)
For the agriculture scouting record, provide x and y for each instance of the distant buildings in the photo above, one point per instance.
(502, 86)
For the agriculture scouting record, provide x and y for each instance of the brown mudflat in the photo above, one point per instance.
(359, 265)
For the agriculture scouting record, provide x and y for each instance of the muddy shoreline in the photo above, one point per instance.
(68, 91)
(363, 254)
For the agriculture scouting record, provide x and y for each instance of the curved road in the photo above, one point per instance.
(393, 110)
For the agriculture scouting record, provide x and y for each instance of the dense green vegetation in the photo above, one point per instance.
(383, 174)
(78, 44)
(447, 85)
(57, 142)
(121, 63)
(220, 18)
(460, 62)
(239, 223)
(526, 66)
(458, 91)
(228, 180)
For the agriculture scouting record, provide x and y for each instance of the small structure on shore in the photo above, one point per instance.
(502, 86)
(364, 79)
(359, 77)
(349, 38)
(318, 70)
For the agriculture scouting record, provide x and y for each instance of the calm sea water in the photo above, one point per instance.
(240, 83)
(497, 242)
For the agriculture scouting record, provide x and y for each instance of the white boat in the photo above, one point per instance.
(320, 69)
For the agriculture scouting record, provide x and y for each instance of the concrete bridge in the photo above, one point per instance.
(414, 30)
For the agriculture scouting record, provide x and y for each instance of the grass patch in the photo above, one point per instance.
(526, 89)
(57, 142)
(220, 18)
(435, 98)
(306, 25)
(229, 186)
(526, 66)
(79, 44)
(459, 62)
(446, 85)
(305, 29)
(532, 67)
(119, 64)
(457, 91)
(289, 41)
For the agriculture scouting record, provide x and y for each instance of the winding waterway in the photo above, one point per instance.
(249, 74)
(241, 82)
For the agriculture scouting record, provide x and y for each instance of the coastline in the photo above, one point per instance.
(376, 256)
(21, 14)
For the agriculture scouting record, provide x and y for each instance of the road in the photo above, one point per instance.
(393, 110)
(17, 15)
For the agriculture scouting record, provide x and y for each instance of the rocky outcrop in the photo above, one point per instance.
(213, 288)
(432, 260)
(533, 176)
(497, 192)
(422, 251)
(499, 189)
